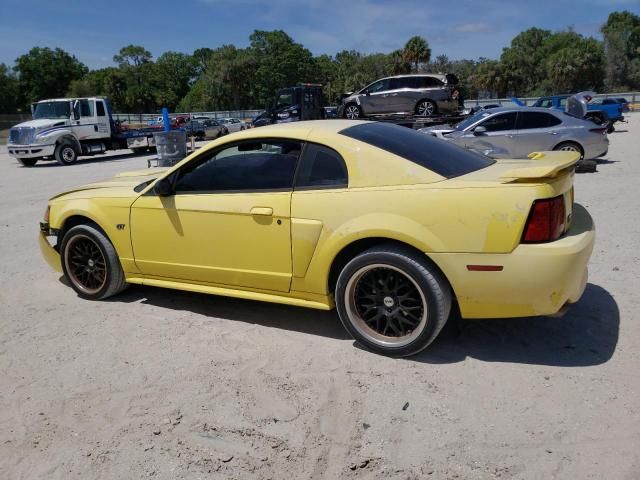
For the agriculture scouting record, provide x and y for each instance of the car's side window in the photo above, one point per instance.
(528, 120)
(321, 167)
(503, 121)
(252, 165)
(546, 103)
(379, 86)
(100, 108)
(431, 82)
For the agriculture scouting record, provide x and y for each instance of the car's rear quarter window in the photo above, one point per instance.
(432, 153)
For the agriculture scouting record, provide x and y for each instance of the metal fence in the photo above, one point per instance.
(632, 97)
(152, 117)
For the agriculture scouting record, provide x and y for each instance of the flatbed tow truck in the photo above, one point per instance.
(66, 128)
(306, 102)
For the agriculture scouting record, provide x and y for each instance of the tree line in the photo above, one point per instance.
(536, 62)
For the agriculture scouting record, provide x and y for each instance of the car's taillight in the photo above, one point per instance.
(546, 221)
(602, 130)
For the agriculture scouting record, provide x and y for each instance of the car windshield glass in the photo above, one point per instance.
(52, 110)
(432, 153)
(471, 120)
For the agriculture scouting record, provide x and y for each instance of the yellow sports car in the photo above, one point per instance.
(392, 227)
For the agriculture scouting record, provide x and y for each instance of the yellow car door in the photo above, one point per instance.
(227, 221)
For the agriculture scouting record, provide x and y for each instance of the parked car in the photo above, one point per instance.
(602, 113)
(212, 128)
(515, 132)
(194, 128)
(234, 124)
(261, 215)
(419, 94)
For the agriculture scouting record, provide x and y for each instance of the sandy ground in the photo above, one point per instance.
(167, 384)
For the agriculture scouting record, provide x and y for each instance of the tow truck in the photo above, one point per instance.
(64, 129)
(306, 102)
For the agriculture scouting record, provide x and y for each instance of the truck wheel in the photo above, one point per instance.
(66, 154)
(392, 301)
(28, 162)
(611, 128)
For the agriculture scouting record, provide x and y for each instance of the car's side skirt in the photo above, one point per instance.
(298, 299)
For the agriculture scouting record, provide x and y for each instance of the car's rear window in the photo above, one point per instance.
(430, 152)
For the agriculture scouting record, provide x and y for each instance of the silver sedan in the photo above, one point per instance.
(515, 132)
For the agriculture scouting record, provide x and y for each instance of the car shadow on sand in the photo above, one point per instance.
(586, 335)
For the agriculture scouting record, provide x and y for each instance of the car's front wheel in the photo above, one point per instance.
(90, 263)
(352, 111)
(392, 301)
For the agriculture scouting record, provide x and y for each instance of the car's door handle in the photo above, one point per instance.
(265, 211)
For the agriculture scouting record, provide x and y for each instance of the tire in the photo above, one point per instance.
(28, 162)
(352, 111)
(90, 263)
(570, 147)
(611, 128)
(65, 153)
(426, 108)
(396, 334)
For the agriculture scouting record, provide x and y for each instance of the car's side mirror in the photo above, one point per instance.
(480, 130)
(163, 187)
(366, 92)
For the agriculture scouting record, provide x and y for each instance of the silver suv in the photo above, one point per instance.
(419, 94)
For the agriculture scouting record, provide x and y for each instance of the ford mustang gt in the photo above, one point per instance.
(393, 228)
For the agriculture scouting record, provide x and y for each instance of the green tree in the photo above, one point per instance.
(621, 35)
(137, 69)
(109, 82)
(416, 51)
(523, 60)
(46, 73)
(8, 90)
(174, 74)
(578, 65)
(132, 56)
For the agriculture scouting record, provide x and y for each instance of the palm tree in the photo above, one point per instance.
(416, 51)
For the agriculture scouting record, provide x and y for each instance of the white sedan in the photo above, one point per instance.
(234, 124)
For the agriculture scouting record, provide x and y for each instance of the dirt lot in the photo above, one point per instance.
(166, 384)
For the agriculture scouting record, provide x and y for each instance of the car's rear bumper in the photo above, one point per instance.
(49, 253)
(31, 151)
(536, 279)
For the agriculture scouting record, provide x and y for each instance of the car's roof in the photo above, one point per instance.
(437, 75)
(519, 109)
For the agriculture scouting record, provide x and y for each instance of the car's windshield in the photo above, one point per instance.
(52, 110)
(471, 120)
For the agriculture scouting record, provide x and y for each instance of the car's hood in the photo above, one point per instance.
(43, 123)
(121, 185)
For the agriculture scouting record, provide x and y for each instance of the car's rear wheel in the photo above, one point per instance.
(392, 301)
(91, 264)
(425, 108)
(28, 162)
(570, 147)
(352, 111)
(65, 154)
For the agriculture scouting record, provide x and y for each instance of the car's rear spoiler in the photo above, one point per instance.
(544, 165)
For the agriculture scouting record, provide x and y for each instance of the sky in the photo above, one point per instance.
(95, 31)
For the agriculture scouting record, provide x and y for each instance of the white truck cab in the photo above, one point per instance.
(65, 128)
